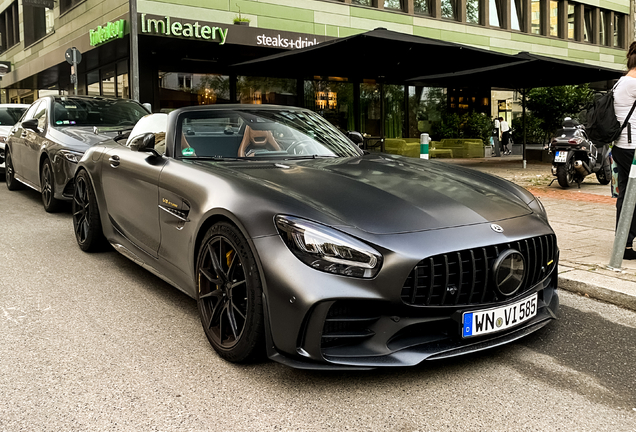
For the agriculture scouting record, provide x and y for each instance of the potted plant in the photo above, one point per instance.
(240, 20)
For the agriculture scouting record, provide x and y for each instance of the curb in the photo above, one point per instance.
(600, 287)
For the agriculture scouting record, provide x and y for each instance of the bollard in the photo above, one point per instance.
(424, 142)
(624, 220)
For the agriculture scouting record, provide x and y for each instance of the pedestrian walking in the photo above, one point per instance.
(495, 137)
(623, 149)
(505, 135)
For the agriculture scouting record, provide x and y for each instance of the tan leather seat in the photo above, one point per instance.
(257, 139)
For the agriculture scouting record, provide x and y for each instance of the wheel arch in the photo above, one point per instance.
(43, 157)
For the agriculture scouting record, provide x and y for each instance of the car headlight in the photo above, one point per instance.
(537, 206)
(328, 250)
(72, 156)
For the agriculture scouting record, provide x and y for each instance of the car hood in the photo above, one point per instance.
(84, 136)
(385, 195)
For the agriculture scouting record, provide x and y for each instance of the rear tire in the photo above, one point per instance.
(565, 176)
(86, 222)
(9, 172)
(604, 175)
(229, 295)
(47, 184)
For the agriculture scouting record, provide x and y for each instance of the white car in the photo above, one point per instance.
(9, 116)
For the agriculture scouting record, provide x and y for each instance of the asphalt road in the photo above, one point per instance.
(92, 342)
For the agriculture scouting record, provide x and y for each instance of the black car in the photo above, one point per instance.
(298, 244)
(43, 149)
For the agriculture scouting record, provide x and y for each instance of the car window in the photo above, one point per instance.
(259, 134)
(40, 115)
(31, 111)
(69, 111)
(10, 116)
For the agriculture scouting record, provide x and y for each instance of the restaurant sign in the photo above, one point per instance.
(107, 32)
(168, 26)
(184, 28)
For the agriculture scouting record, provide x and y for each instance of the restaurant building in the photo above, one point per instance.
(184, 48)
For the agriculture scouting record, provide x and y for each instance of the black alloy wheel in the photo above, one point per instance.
(47, 184)
(9, 174)
(86, 222)
(230, 294)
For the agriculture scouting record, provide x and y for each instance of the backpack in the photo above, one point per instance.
(602, 125)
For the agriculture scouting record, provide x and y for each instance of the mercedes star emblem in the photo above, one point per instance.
(496, 228)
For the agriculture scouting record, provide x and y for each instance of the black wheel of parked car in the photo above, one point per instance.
(86, 222)
(47, 184)
(565, 176)
(230, 294)
(9, 174)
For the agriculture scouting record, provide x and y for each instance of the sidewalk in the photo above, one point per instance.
(583, 220)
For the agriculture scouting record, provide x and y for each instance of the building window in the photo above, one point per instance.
(619, 30)
(517, 15)
(66, 5)
(495, 13)
(92, 83)
(472, 11)
(123, 87)
(449, 9)
(422, 7)
(393, 4)
(571, 21)
(603, 34)
(362, 2)
(587, 24)
(554, 18)
(9, 27)
(185, 81)
(41, 19)
(535, 23)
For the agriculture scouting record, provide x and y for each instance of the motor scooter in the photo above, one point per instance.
(576, 157)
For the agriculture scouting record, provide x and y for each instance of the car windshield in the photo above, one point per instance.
(272, 134)
(68, 111)
(10, 116)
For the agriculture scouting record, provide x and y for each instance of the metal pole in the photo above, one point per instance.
(134, 52)
(523, 103)
(624, 220)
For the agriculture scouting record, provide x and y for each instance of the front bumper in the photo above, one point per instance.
(317, 320)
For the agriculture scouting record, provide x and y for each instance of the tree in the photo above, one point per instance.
(550, 105)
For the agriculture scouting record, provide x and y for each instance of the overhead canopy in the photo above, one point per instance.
(527, 71)
(379, 54)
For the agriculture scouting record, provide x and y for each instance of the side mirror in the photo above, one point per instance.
(144, 144)
(356, 137)
(30, 124)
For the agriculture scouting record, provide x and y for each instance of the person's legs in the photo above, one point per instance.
(623, 159)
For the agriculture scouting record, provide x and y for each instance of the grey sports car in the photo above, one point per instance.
(297, 244)
(43, 149)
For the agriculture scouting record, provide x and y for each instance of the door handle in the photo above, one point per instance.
(114, 161)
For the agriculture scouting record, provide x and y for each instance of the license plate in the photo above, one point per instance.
(477, 323)
(561, 156)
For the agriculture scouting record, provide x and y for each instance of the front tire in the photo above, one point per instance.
(9, 172)
(565, 175)
(229, 295)
(47, 184)
(86, 222)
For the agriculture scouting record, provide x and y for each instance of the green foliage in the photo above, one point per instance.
(469, 125)
(549, 105)
(534, 130)
(476, 125)
(447, 127)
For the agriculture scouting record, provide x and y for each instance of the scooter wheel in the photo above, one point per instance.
(564, 176)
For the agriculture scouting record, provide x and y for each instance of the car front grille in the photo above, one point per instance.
(464, 277)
